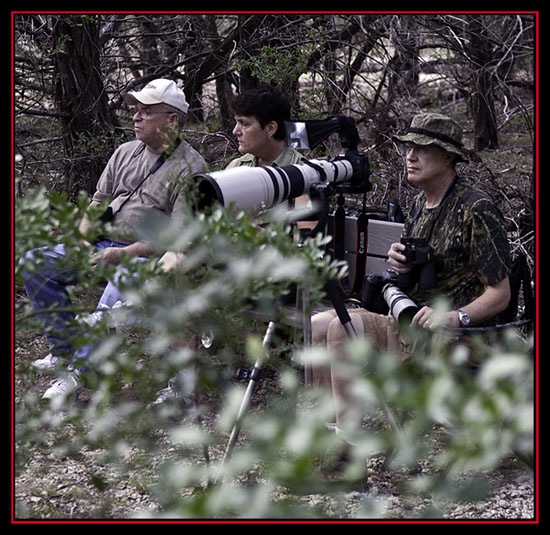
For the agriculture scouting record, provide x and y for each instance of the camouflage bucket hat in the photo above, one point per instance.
(428, 128)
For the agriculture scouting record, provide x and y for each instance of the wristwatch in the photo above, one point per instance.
(463, 318)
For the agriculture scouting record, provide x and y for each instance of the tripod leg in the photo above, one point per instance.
(345, 319)
(340, 307)
(304, 317)
(245, 403)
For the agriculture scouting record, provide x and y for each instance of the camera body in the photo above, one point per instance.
(420, 256)
(359, 180)
(417, 251)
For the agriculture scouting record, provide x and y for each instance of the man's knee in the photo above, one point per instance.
(336, 333)
(319, 327)
(41, 257)
(29, 264)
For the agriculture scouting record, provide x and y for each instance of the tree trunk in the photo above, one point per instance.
(81, 98)
(483, 94)
(403, 66)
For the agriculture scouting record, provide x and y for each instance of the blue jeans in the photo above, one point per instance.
(46, 287)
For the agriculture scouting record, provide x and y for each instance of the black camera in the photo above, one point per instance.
(107, 216)
(382, 295)
(420, 256)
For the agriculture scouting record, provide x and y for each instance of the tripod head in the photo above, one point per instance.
(309, 134)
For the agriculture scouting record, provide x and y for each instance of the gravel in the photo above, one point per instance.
(57, 486)
(54, 488)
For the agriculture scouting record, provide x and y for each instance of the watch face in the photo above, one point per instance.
(463, 318)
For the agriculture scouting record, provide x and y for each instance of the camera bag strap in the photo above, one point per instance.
(151, 171)
(436, 214)
(154, 168)
(348, 288)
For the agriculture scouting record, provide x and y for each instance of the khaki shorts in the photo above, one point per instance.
(383, 332)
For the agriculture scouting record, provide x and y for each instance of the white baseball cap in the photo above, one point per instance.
(159, 91)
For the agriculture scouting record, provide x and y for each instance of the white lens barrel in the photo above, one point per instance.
(264, 187)
(398, 302)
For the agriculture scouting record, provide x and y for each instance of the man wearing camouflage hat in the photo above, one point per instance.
(467, 242)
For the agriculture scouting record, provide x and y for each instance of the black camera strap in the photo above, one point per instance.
(346, 286)
(154, 168)
(436, 213)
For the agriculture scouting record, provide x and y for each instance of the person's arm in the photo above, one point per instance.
(112, 255)
(493, 300)
(86, 224)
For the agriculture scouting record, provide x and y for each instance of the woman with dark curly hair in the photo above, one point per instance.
(260, 114)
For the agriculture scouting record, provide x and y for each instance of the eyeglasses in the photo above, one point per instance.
(146, 113)
(419, 150)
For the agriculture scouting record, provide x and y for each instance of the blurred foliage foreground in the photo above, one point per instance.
(175, 452)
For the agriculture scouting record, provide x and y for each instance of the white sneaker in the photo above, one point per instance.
(122, 318)
(49, 362)
(118, 317)
(63, 387)
(166, 394)
(173, 394)
(93, 318)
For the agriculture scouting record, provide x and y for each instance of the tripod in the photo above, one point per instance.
(334, 296)
(338, 304)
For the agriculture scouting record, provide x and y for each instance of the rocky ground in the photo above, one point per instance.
(57, 485)
(54, 489)
(63, 487)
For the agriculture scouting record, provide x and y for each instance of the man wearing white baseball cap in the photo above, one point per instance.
(160, 100)
(159, 91)
(143, 180)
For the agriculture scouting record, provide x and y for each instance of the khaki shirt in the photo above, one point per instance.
(287, 157)
(159, 195)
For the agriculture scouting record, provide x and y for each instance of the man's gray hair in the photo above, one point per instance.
(182, 117)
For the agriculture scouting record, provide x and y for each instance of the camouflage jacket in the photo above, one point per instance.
(469, 242)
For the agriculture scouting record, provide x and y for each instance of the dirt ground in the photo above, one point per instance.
(55, 484)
